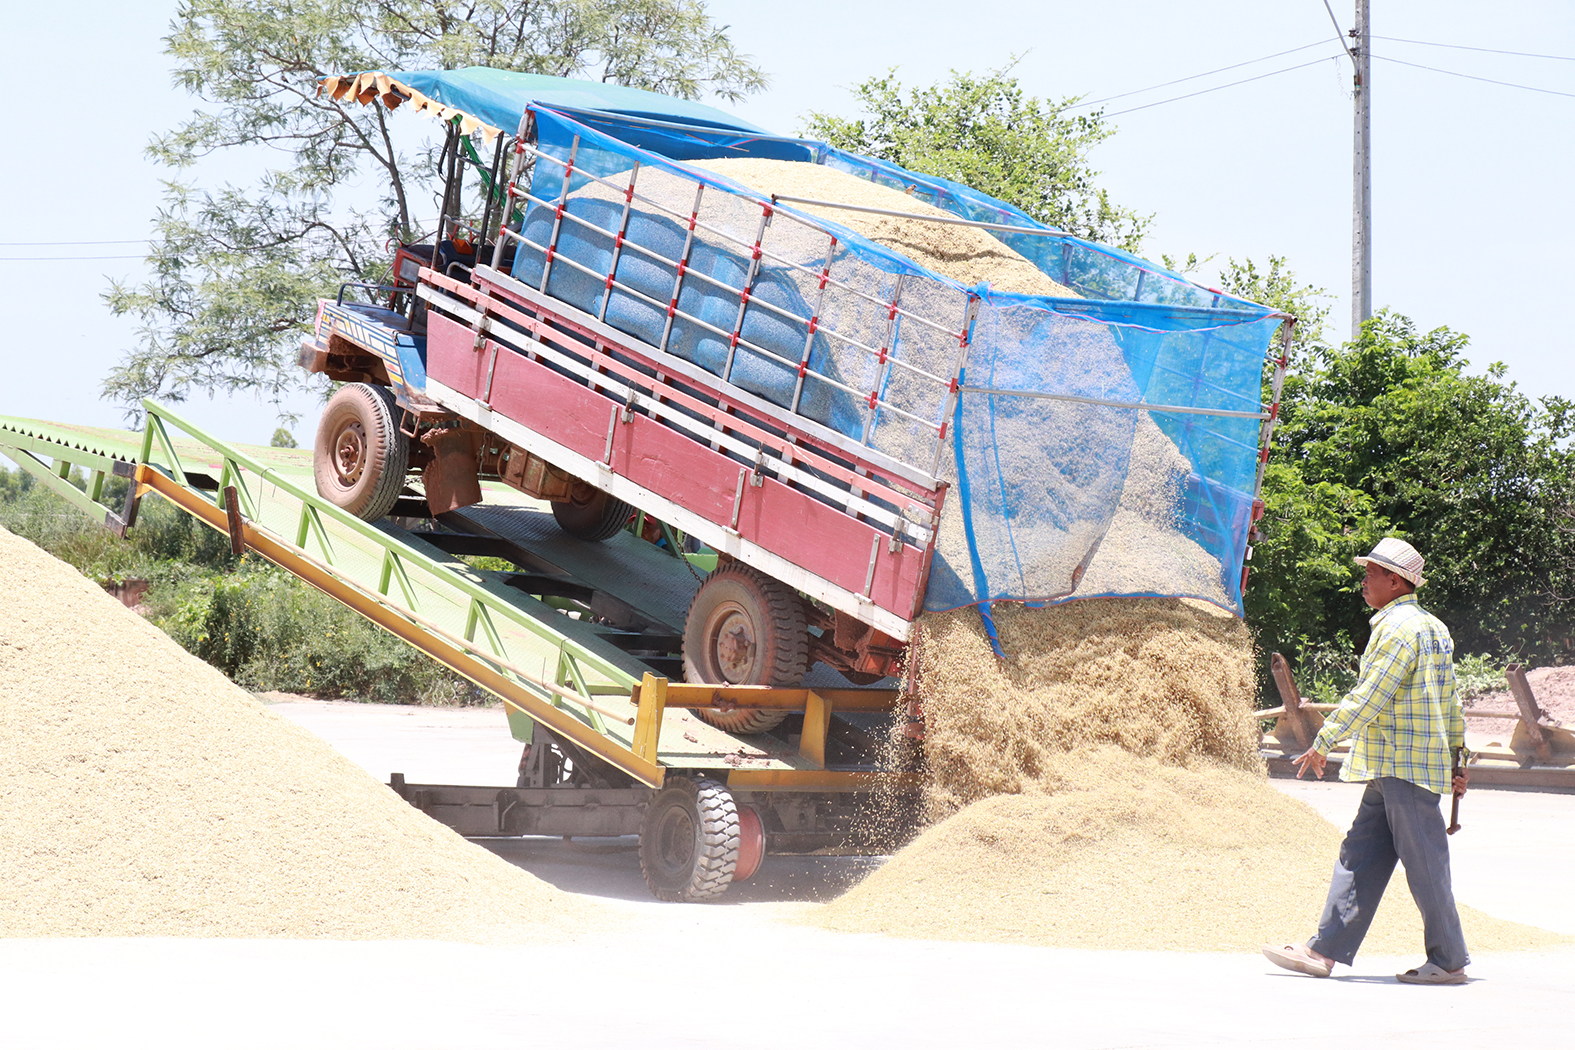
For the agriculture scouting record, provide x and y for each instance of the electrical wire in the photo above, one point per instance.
(1465, 47)
(1338, 33)
(51, 244)
(1222, 87)
(1468, 76)
(1195, 76)
(64, 258)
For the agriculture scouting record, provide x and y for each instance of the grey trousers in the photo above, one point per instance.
(1397, 820)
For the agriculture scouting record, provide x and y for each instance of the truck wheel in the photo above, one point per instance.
(596, 518)
(745, 628)
(360, 457)
(689, 840)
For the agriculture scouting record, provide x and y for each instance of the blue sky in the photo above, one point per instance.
(1473, 213)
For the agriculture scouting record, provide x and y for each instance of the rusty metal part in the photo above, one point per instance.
(524, 470)
(751, 844)
(232, 513)
(344, 361)
(450, 477)
(853, 647)
(1294, 721)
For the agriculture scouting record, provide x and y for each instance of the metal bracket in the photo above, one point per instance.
(738, 498)
(869, 575)
(757, 477)
(612, 428)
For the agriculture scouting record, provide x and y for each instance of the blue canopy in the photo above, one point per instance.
(499, 97)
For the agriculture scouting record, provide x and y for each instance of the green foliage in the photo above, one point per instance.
(1276, 286)
(984, 132)
(1478, 673)
(256, 623)
(266, 630)
(1389, 435)
(1304, 582)
(282, 438)
(236, 270)
(1471, 470)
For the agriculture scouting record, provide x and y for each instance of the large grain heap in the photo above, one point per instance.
(1101, 787)
(1118, 852)
(143, 794)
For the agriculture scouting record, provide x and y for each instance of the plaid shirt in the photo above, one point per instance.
(1404, 715)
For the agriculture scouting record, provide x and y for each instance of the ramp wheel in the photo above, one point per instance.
(745, 628)
(360, 456)
(596, 518)
(689, 840)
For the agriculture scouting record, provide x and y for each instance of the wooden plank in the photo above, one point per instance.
(1561, 780)
(1493, 712)
(1530, 713)
(1302, 723)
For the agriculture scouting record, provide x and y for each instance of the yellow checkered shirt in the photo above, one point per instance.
(1404, 717)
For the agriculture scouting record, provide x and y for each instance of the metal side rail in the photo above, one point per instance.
(548, 668)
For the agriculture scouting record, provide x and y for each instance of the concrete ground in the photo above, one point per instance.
(741, 973)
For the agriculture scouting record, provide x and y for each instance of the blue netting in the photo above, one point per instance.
(1059, 472)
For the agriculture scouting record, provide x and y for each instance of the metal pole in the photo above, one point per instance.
(1362, 189)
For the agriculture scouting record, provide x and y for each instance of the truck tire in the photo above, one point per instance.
(595, 519)
(689, 840)
(360, 456)
(745, 628)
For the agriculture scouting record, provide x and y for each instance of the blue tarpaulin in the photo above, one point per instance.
(499, 97)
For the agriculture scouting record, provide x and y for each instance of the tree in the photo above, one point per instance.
(1469, 469)
(1303, 580)
(1389, 435)
(236, 271)
(982, 131)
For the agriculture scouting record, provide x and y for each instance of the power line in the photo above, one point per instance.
(1468, 76)
(51, 244)
(1222, 87)
(1196, 76)
(1465, 47)
(1338, 35)
(64, 258)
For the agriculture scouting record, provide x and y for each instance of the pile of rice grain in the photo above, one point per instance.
(963, 253)
(1101, 788)
(1166, 678)
(143, 794)
(1113, 851)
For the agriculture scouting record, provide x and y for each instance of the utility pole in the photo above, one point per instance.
(1362, 189)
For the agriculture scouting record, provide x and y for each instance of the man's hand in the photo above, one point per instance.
(1310, 759)
(1462, 778)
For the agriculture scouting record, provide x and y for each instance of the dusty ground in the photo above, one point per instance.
(1554, 688)
(678, 975)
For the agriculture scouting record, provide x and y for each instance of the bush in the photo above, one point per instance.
(268, 631)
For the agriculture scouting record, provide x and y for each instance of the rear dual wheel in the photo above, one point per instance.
(745, 628)
(594, 518)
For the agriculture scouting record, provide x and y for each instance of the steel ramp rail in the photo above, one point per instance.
(545, 666)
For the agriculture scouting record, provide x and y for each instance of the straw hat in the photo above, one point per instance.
(1398, 557)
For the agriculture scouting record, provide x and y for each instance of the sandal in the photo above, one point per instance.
(1429, 973)
(1297, 957)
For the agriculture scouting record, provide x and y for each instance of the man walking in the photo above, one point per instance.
(1404, 721)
